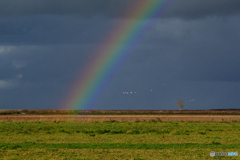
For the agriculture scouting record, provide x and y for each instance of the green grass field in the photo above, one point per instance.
(118, 140)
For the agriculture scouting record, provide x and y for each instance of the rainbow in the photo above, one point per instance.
(116, 47)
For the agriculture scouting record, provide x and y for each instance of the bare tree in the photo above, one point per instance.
(180, 104)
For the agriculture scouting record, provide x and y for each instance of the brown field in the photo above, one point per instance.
(119, 115)
(120, 112)
(120, 118)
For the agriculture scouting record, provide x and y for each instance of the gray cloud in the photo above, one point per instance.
(47, 30)
(11, 83)
(18, 64)
(187, 9)
(4, 84)
(190, 9)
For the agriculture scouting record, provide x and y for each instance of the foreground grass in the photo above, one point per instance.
(125, 140)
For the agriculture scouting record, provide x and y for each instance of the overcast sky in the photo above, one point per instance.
(191, 52)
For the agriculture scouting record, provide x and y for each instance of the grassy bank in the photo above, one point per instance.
(118, 140)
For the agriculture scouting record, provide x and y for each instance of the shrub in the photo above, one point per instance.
(136, 131)
(152, 120)
(177, 132)
(64, 131)
(102, 131)
(215, 142)
(137, 120)
(117, 132)
(152, 130)
(163, 131)
(159, 120)
(92, 135)
(87, 131)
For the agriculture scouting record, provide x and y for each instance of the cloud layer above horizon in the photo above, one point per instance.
(191, 53)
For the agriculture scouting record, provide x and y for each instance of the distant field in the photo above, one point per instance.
(119, 115)
(118, 118)
(118, 140)
(121, 112)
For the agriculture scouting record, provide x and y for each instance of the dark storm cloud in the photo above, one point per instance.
(51, 29)
(190, 9)
(191, 53)
(83, 7)
(36, 76)
(202, 50)
(185, 8)
(36, 22)
(43, 64)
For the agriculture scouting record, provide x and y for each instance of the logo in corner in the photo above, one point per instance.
(212, 154)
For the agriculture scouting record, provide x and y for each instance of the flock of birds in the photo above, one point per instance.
(126, 92)
(136, 92)
(133, 92)
(129, 92)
